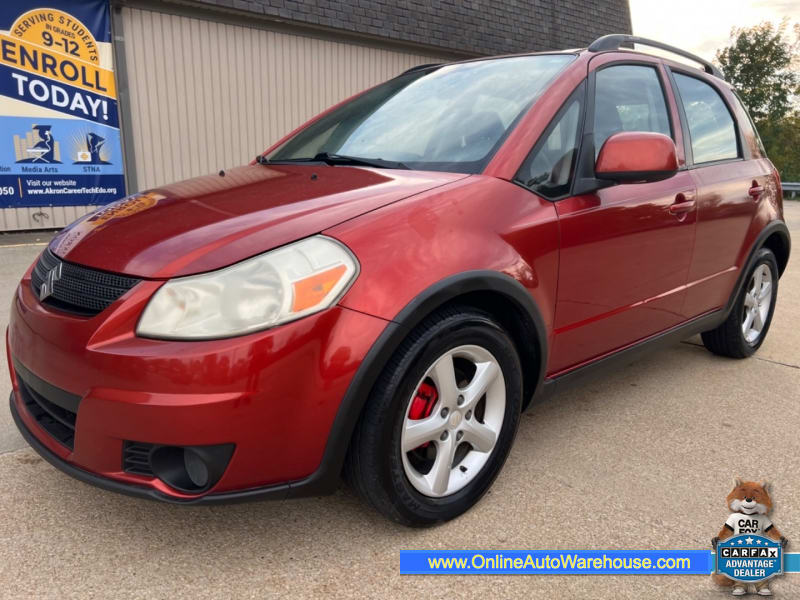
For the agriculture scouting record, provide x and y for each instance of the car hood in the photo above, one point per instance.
(213, 221)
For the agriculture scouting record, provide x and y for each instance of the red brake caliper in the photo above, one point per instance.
(423, 403)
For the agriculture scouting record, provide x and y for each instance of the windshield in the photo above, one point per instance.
(453, 118)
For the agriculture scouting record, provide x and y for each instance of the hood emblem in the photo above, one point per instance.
(48, 285)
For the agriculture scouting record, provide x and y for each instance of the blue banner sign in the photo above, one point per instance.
(60, 139)
(608, 562)
(556, 562)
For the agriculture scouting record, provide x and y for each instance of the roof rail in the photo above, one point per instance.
(420, 67)
(615, 40)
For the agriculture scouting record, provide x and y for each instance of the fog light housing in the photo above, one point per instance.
(190, 469)
(195, 467)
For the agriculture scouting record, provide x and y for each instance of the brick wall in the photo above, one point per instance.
(471, 26)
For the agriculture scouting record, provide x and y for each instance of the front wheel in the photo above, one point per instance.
(441, 420)
(743, 332)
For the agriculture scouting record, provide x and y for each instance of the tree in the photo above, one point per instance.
(761, 63)
(782, 142)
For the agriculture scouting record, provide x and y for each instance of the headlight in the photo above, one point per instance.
(273, 288)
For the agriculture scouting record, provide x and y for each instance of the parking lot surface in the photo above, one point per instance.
(641, 457)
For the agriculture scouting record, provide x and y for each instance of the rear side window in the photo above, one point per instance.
(711, 127)
(628, 98)
(548, 169)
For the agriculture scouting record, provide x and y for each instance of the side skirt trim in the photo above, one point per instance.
(611, 361)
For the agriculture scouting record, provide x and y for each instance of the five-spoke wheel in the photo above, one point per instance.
(747, 323)
(441, 419)
(757, 302)
(453, 420)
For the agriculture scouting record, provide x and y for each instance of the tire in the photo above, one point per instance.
(396, 482)
(730, 339)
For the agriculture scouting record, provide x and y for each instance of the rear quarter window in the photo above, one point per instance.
(749, 128)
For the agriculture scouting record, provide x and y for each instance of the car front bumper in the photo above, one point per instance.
(274, 394)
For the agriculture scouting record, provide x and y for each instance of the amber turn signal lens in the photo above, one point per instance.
(312, 290)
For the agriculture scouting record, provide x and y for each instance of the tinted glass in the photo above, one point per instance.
(548, 170)
(628, 98)
(749, 127)
(449, 119)
(711, 126)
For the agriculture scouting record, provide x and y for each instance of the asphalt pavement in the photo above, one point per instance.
(642, 457)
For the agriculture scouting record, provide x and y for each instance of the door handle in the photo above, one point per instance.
(684, 202)
(756, 191)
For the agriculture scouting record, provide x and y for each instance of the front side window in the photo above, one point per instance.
(453, 118)
(628, 98)
(548, 170)
(711, 126)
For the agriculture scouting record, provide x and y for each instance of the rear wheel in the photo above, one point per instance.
(744, 330)
(440, 421)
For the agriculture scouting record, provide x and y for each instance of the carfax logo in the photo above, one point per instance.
(749, 558)
(749, 548)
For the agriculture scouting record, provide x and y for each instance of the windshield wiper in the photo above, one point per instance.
(337, 159)
(341, 159)
(263, 160)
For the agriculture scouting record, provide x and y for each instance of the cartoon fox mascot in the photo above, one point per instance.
(750, 504)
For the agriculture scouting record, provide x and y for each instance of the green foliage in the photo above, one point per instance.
(763, 65)
(782, 142)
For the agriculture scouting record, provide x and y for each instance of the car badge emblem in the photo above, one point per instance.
(48, 285)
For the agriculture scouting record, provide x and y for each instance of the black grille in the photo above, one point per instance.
(79, 290)
(51, 407)
(136, 458)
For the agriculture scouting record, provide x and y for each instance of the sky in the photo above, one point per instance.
(703, 26)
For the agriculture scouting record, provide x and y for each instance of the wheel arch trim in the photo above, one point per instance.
(326, 477)
(773, 227)
(780, 230)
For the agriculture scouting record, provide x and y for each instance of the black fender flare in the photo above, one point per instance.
(326, 477)
(772, 227)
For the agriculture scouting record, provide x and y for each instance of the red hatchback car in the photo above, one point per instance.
(383, 291)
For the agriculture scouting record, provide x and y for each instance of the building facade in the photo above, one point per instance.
(207, 84)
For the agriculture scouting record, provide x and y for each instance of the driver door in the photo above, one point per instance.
(625, 251)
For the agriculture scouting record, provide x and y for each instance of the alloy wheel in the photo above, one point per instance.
(757, 302)
(453, 420)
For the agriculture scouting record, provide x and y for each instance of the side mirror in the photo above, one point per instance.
(636, 156)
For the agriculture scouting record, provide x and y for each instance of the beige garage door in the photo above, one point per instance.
(206, 95)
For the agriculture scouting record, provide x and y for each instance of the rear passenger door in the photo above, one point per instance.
(625, 250)
(729, 185)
